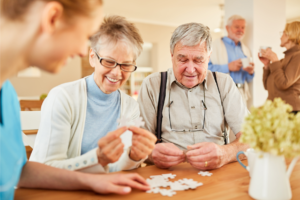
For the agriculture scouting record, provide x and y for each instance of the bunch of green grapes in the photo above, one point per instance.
(273, 128)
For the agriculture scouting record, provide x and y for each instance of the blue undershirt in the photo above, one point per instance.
(102, 113)
(234, 52)
(12, 150)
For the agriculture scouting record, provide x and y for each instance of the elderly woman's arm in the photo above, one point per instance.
(286, 78)
(54, 135)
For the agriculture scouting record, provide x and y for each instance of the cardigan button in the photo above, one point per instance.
(77, 164)
(69, 166)
(84, 162)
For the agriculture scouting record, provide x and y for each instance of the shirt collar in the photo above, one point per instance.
(173, 79)
(230, 41)
(292, 50)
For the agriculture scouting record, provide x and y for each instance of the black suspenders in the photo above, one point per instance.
(161, 101)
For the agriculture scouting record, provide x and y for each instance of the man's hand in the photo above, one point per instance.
(110, 147)
(249, 69)
(206, 155)
(116, 183)
(143, 142)
(235, 65)
(166, 155)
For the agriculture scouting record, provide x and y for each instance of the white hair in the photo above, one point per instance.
(233, 18)
(191, 34)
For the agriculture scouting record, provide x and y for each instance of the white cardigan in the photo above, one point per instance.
(58, 142)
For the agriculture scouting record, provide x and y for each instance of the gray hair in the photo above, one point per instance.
(191, 34)
(115, 29)
(233, 18)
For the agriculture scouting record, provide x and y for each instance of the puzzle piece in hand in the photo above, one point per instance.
(205, 173)
(123, 121)
(138, 122)
(126, 121)
(165, 192)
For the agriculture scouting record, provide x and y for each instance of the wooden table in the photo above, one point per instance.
(229, 182)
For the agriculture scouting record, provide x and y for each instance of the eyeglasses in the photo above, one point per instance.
(110, 63)
(281, 33)
(196, 127)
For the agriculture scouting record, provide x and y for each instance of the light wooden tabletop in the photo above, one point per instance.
(229, 182)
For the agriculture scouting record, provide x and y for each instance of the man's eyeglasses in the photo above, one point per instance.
(196, 128)
(110, 63)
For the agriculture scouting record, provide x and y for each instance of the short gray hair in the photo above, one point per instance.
(233, 18)
(116, 29)
(191, 34)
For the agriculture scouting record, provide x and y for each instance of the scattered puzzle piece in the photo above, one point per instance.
(205, 173)
(166, 176)
(153, 190)
(165, 192)
(158, 181)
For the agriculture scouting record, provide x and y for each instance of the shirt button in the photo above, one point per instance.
(195, 127)
(193, 107)
(84, 162)
(77, 164)
(191, 90)
(69, 166)
(92, 160)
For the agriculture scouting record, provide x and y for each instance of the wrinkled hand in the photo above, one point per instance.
(235, 65)
(265, 61)
(143, 142)
(269, 54)
(110, 147)
(249, 69)
(166, 155)
(208, 152)
(116, 183)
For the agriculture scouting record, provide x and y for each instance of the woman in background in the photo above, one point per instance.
(44, 33)
(282, 77)
(78, 129)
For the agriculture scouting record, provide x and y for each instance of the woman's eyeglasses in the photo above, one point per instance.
(110, 63)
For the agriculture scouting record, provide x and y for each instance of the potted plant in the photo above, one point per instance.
(274, 132)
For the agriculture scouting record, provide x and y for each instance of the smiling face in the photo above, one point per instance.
(69, 39)
(237, 30)
(111, 79)
(190, 64)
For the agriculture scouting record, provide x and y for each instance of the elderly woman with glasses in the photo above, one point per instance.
(78, 129)
(281, 78)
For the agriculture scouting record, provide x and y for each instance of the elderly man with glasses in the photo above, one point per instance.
(197, 107)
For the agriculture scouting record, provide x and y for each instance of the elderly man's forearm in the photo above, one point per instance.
(233, 148)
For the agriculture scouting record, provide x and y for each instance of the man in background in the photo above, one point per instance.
(228, 52)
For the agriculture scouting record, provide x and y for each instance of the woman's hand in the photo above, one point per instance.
(265, 61)
(143, 142)
(110, 147)
(115, 183)
(269, 54)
